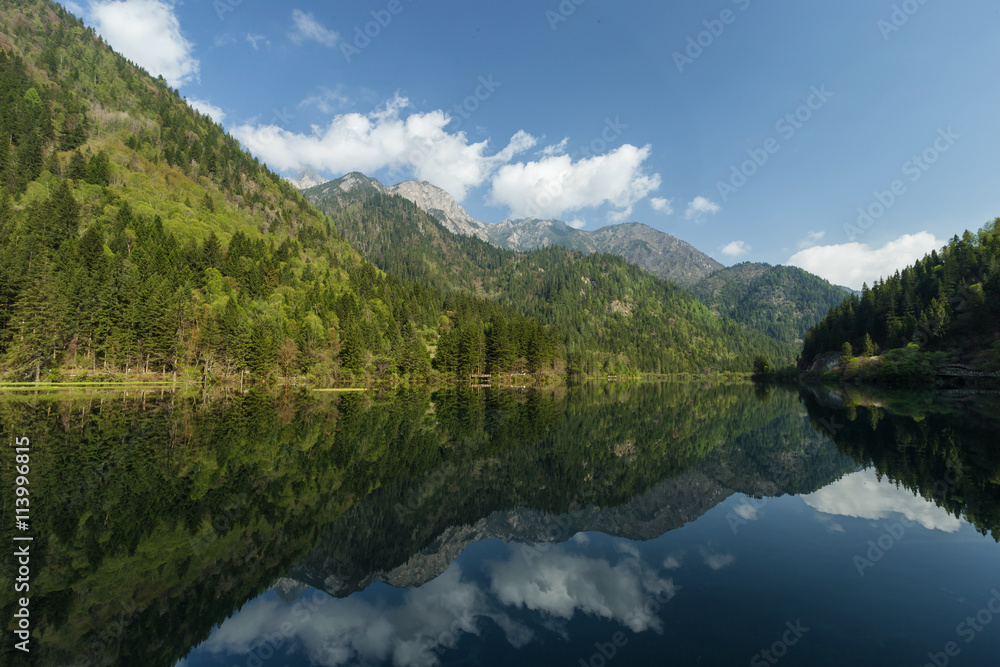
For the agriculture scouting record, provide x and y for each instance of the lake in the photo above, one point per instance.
(649, 524)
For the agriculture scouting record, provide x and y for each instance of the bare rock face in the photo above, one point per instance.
(661, 254)
(442, 206)
(307, 178)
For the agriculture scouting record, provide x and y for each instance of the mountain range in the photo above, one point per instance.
(781, 301)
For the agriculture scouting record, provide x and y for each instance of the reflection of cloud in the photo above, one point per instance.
(863, 496)
(672, 562)
(716, 561)
(332, 632)
(352, 630)
(627, 548)
(560, 584)
(746, 511)
(831, 525)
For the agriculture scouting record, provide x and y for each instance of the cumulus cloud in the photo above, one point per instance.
(863, 496)
(560, 584)
(308, 29)
(716, 561)
(577, 223)
(852, 264)
(417, 145)
(208, 109)
(735, 249)
(662, 205)
(555, 185)
(148, 33)
(698, 207)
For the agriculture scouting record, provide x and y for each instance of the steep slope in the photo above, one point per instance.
(443, 207)
(136, 236)
(782, 301)
(609, 315)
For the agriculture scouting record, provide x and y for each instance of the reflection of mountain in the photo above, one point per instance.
(777, 457)
(941, 445)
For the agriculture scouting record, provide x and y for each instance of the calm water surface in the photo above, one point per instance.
(687, 524)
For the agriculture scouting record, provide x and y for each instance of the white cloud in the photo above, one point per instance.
(735, 249)
(416, 145)
(662, 205)
(716, 561)
(811, 239)
(556, 149)
(307, 28)
(257, 40)
(561, 585)
(555, 185)
(863, 496)
(577, 223)
(698, 207)
(209, 109)
(852, 264)
(148, 33)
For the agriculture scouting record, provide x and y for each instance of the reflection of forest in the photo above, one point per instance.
(183, 509)
(942, 445)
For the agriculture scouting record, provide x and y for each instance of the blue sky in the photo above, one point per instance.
(753, 130)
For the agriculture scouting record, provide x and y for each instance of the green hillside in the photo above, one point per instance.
(782, 301)
(137, 237)
(945, 309)
(610, 316)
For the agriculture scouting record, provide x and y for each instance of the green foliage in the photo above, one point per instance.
(782, 301)
(949, 301)
(154, 243)
(600, 314)
(761, 366)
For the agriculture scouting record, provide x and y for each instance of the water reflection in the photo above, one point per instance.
(489, 527)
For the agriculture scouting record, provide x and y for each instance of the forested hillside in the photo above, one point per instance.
(137, 236)
(947, 304)
(611, 316)
(782, 301)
